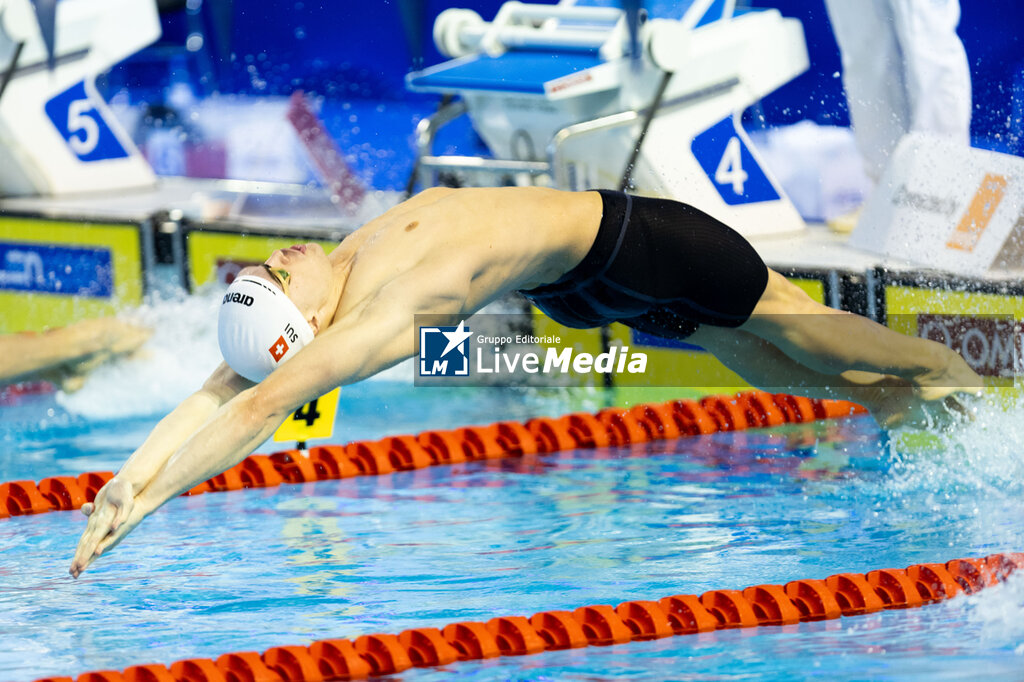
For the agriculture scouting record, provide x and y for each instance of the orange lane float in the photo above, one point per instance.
(609, 427)
(846, 594)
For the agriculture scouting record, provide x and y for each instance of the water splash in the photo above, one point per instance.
(965, 486)
(999, 613)
(174, 362)
(979, 457)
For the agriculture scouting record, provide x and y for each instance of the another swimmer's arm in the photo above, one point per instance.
(25, 353)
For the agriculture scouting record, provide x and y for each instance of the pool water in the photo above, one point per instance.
(251, 569)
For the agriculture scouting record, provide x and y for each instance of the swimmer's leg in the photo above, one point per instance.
(833, 341)
(891, 400)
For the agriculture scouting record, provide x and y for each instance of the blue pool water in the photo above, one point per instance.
(252, 569)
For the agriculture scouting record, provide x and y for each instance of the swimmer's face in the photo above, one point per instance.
(303, 271)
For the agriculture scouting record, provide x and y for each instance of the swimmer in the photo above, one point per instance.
(65, 355)
(305, 322)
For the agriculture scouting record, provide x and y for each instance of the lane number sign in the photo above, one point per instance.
(315, 419)
(730, 166)
(75, 116)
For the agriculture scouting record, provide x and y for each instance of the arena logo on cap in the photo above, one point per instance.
(444, 351)
(236, 297)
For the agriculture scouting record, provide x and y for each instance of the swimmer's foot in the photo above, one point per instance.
(895, 403)
(964, 407)
(935, 414)
(956, 377)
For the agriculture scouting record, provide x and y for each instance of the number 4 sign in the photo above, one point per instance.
(722, 152)
(315, 419)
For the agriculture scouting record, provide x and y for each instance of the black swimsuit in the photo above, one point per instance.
(658, 266)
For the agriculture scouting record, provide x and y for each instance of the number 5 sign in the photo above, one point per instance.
(722, 152)
(74, 114)
(315, 419)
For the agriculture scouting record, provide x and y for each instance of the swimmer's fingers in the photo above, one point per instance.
(114, 538)
(97, 529)
(112, 505)
(87, 508)
(122, 496)
(84, 555)
(122, 513)
(79, 565)
(958, 407)
(127, 337)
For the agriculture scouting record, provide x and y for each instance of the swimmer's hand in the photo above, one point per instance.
(110, 519)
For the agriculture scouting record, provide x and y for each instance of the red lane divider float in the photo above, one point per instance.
(12, 394)
(610, 427)
(844, 594)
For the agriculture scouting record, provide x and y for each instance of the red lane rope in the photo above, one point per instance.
(843, 594)
(609, 427)
(11, 394)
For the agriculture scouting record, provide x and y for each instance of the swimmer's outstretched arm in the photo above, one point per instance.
(187, 418)
(370, 338)
(115, 500)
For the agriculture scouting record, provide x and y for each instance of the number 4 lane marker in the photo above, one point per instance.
(730, 167)
(315, 419)
(727, 157)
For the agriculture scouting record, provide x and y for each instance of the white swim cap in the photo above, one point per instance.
(259, 328)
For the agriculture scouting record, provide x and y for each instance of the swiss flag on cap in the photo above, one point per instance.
(279, 349)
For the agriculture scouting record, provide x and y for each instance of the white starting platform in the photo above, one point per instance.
(86, 228)
(559, 99)
(57, 135)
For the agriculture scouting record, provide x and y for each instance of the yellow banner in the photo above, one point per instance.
(973, 324)
(58, 272)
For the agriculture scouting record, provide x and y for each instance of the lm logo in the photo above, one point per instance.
(444, 351)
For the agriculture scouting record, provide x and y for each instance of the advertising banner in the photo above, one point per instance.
(53, 273)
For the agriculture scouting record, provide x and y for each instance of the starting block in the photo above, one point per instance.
(555, 93)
